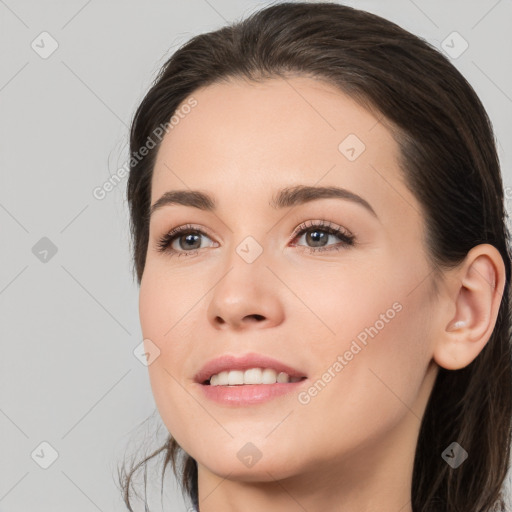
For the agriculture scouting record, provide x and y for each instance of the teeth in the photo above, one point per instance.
(250, 376)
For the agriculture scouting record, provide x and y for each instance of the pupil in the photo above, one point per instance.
(188, 238)
(315, 234)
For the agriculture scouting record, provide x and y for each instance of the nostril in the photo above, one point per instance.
(256, 317)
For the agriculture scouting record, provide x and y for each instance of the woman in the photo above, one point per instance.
(320, 241)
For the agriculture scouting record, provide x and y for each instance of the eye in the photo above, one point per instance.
(187, 237)
(318, 233)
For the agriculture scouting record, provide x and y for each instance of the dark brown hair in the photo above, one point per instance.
(449, 161)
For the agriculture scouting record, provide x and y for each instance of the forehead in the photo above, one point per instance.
(245, 139)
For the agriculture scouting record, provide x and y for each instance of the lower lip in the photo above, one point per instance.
(249, 394)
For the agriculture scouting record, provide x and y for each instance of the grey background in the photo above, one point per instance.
(68, 375)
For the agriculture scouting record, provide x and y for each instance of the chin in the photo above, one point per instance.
(262, 471)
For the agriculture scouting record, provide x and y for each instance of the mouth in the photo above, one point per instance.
(248, 369)
(291, 381)
(250, 387)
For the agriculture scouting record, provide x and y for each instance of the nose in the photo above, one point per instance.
(247, 297)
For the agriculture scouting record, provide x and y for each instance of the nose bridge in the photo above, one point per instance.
(250, 243)
(247, 291)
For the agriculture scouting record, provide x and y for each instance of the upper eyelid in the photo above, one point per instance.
(322, 224)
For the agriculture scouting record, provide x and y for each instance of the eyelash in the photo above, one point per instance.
(347, 238)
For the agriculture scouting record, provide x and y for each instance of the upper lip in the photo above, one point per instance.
(243, 362)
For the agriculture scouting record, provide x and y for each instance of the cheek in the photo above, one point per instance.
(374, 349)
(373, 390)
(339, 303)
(166, 305)
(166, 327)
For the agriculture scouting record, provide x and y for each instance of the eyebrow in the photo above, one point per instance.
(285, 198)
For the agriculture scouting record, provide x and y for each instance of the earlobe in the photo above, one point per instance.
(476, 292)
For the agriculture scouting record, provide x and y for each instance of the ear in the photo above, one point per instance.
(475, 292)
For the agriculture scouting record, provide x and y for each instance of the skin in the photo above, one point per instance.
(352, 446)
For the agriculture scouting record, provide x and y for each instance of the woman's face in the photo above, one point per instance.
(352, 317)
